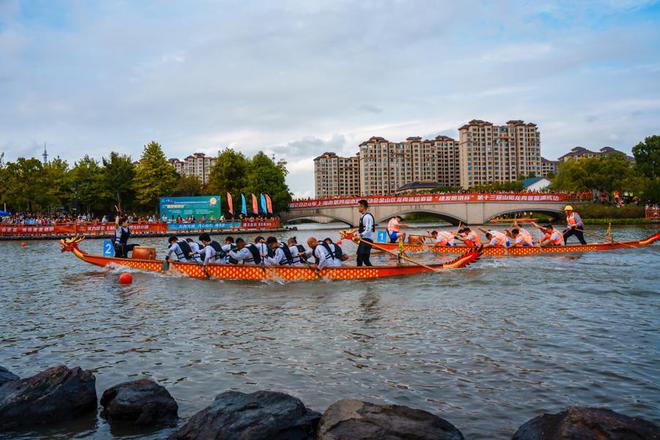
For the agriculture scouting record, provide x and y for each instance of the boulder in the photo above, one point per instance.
(7, 376)
(354, 419)
(141, 402)
(54, 395)
(256, 416)
(587, 423)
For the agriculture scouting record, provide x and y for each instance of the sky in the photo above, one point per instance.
(296, 78)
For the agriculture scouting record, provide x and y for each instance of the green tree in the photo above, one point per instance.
(23, 181)
(228, 175)
(188, 186)
(119, 179)
(154, 177)
(56, 183)
(267, 177)
(87, 185)
(604, 173)
(647, 157)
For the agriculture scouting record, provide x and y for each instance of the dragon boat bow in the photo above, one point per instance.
(250, 272)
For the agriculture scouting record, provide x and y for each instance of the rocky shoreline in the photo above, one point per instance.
(59, 394)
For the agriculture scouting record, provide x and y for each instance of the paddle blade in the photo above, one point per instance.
(166, 266)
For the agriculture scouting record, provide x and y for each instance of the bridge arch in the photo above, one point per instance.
(452, 219)
(290, 218)
(553, 211)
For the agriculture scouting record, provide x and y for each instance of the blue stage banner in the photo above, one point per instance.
(198, 207)
(200, 225)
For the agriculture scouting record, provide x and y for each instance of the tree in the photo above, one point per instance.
(647, 157)
(86, 180)
(267, 177)
(188, 186)
(229, 174)
(118, 179)
(609, 173)
(23, 184)
(154, 177)
(56, 183)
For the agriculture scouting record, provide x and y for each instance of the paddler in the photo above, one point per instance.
(574, 225)
(195, 250)
(496, 238)
(323, 255)
(336, 249)
(469, 237)
(180, 249)
(365, 234)
(244, 254)
(445, 238)
(211, 250)
(279, 253)
(393, 229)
(552, 237)
(297, 251)
(520, 236)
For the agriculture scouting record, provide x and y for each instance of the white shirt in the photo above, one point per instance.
(276, 259)
(325, 259)
(296, 254)
(177, 252)
(208, 254)
(368, 223)
(242, 255)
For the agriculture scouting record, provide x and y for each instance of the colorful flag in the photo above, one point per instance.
(255, 205)
(264, 209)
(230, 204)
(243, 205)
(269, 204)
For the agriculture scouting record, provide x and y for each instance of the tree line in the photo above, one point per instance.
(614, 172)
(92, 186)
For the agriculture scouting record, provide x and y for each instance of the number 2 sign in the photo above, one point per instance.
(108, 248)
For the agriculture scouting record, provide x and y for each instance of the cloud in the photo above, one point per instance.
(299, 78)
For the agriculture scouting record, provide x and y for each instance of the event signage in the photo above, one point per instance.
(108, 248)
(204, 225)
(199, 206)
(437, 198)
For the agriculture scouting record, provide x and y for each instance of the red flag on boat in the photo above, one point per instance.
(269, 204)
(230, 204)
(255, 205)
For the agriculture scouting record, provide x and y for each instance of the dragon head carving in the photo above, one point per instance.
(70, 243)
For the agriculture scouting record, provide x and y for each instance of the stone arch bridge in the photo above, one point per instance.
(471, 209)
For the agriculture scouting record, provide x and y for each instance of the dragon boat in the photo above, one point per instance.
(526, 251)
(249, 272)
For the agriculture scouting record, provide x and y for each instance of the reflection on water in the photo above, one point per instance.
(487, 347)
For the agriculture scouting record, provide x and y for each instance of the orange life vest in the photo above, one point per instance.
(499, 237)
(472, 239)
(393, 225)
(557, 241)
(526, 237)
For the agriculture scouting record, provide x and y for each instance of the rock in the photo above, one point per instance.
(261, 415)
(141, 402)
(354, 419)
(7, 376)
(54, 395)
(587, 423)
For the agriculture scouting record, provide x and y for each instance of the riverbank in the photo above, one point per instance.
(60, 394)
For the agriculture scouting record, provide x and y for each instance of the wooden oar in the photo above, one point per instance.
(398, 255)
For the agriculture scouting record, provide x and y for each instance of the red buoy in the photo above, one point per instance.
(24, 244)
(125, 278)
(339, 242)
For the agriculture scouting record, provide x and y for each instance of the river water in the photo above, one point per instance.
(487, 347)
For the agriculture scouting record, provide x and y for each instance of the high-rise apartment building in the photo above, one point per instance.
(498, 153)
(198, 165)
(581, 152)
(448, 169)
(336, 176)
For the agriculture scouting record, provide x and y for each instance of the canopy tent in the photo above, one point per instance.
(4, 213)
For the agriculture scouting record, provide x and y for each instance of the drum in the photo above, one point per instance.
(144, 253)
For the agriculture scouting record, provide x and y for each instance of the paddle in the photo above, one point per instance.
(165, 266)
(398, 255)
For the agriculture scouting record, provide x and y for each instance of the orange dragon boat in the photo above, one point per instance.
(525, 251)
(248, 272)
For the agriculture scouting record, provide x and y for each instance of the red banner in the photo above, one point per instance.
(441, 198)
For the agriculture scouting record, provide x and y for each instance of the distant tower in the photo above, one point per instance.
(45, 155)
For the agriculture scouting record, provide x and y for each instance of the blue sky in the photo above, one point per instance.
(297, 78)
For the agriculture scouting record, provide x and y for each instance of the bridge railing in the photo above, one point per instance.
(443, 198)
